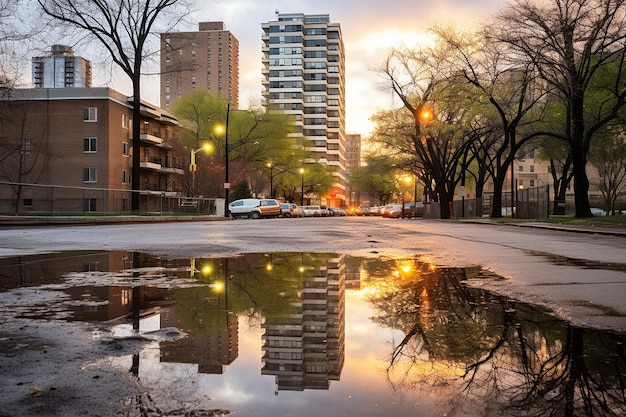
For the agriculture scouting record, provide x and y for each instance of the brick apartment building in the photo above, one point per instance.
(207, 59)
(75, 146)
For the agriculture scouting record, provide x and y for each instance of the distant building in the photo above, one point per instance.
(304, 75)
(353, 150)
(353, 159)
(75, 145)
(207, 59)
(61, 69)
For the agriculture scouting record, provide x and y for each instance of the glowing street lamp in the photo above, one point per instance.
(192, 164)
(271, 167)
(407, 180)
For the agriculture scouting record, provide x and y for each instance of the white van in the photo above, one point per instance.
(254, 207)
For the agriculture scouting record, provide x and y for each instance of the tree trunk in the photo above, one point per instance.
(558, 207)
(496, 203)
(560, 183)
(136, 145)
(581, 183)
(444, 202)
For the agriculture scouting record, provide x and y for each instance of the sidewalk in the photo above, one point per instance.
(605, 231)
(24, 221)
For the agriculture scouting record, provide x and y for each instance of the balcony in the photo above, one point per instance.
(150, 138)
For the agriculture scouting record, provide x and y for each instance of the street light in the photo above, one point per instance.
(414, 196)
(192, 164)
(226, 181)
(302, 187)
(407, 180)
(226, 157)
(271, 167)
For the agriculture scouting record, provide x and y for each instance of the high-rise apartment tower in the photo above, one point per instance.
(207, 59)
(303, 69)
(61, 69)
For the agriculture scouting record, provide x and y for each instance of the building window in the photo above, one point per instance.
(90, 114)
(90, 204)
(28, 202)
(124, 120)
(25, 147)
(90, 174)
(90, 145)
(532, 183)
(521, 168)
(532, 168)
(125, 177)
(125, 148)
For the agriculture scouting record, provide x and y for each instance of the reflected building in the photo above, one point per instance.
(306, 350)
(147, 308)
(211, 352)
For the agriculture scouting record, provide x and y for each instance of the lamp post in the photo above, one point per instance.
(301, 186)
(414, 196)
(271, 167)
(227, 157)
(407, 180)
(226, 181)
(193, 167)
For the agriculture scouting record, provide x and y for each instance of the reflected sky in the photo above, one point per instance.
(312, 334)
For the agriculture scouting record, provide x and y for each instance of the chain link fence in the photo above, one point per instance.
(38, 199)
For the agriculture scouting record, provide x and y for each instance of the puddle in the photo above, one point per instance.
(312, 334)
(581, 263)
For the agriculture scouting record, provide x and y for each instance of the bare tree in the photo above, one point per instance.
(123, 28)
(436, 135)
(609, 158)
(570, 42)
(24, 151)
(505, 97)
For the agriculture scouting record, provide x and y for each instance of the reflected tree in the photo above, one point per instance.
(505, 358)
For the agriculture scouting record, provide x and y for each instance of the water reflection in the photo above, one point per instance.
(375, 336)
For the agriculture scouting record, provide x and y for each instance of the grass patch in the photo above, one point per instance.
(611, 222)
(598, 221)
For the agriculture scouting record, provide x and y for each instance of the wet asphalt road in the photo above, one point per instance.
(580, 276)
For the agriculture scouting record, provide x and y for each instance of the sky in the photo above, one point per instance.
(369, 28)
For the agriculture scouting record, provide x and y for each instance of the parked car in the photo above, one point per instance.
(597, 211)
(414, 209)
(375, 210)
(254, 207)
(363, 211)
(337, 211)
(311, 211)
(290, 210)
(391, 211)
